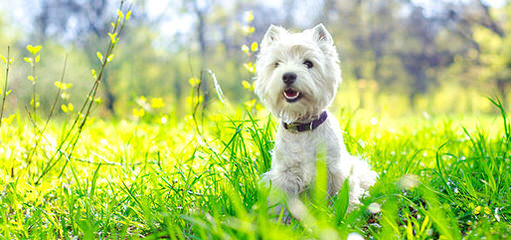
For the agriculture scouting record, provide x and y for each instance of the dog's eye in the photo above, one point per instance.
(276, 64)
(308, 64)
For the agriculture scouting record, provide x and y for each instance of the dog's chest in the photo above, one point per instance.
(300, 149)
(297, 150)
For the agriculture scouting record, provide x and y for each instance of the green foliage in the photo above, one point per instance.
(136, 179)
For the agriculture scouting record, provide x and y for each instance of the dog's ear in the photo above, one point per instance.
(321, 35)
(272, 34)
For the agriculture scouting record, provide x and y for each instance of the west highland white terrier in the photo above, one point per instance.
(297, 79)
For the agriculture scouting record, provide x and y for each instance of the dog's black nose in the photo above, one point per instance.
(289, 78)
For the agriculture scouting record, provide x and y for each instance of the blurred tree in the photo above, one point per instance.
(82, 23)
(488, 35)
(397, 47)
(392, 43)
(424, 53)
(201, 9)
(500, 62)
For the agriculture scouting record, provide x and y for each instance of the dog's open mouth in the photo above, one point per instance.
(291, 95)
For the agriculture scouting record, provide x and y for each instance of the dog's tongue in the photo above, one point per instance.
(290, 93)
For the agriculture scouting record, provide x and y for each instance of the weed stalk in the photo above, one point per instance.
(81, 119)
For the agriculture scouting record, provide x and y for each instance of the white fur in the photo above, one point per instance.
(294, 155)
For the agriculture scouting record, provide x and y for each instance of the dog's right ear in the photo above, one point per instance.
(271, 35)
(321, 35)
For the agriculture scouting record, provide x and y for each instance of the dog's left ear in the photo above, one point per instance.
(321, 35)
(271, 35)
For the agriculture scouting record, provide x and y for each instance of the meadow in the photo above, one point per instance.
(194, 172)
(197, 177)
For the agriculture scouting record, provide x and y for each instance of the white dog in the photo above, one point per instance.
(297, 79)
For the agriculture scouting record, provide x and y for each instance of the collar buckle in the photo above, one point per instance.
(293, 127)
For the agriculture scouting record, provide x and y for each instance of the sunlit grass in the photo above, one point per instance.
(136, 179)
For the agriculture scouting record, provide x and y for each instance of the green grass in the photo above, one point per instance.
(129, 179)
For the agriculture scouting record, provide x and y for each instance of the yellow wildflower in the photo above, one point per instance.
(477, 210)
(157, 103)
(249, 16)
(487, 210)
(67, 108)
(61, 85)
(250, 67)
(37, 103)
(194, 81)
(245, 49)
(254, 46)
(138, 112)
(33, 49)
(8, 120)
(250, 103)
(245, 84)
(248, 30)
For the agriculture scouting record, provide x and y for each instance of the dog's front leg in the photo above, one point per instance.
(290, 184)
(288, 181)
(335, 182)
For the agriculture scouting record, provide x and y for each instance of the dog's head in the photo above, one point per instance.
(297, 73)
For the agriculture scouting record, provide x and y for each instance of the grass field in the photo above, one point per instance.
(197, 176)
(440, 177)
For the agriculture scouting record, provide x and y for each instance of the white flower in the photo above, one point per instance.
(103, 142)
(374, 208)
(497, 217)
(163, 120)
(408, 181)
(354, 236)
(373, 121)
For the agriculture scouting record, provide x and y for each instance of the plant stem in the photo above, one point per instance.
(5, 84)
(52, 111)
(87, 105)
(34, 103)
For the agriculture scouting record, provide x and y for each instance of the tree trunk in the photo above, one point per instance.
(201, 31)
(110, 97)
(502, 88)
